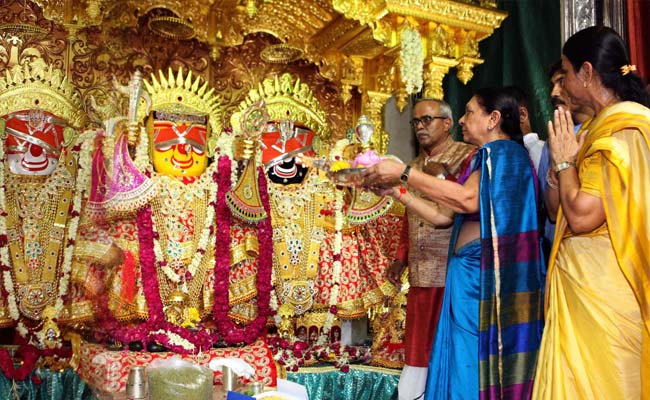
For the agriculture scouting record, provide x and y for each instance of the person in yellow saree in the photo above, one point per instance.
(596, 341)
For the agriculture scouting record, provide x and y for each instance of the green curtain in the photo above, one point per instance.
(54, 385)
(518, 53)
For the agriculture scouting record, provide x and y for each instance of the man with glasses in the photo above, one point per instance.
(423, 247)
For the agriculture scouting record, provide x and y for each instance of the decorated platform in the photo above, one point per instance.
(361, 382)
(107, 371)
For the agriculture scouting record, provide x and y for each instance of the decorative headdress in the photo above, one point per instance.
(41, 86)
(184, 95)
(286, 99)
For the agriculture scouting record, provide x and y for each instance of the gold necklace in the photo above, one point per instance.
(296, 240)
(37, 220)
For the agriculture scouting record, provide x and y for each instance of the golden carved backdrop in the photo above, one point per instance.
(350, 52)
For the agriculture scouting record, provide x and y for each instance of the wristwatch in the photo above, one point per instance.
(561, 166)
(405, 175)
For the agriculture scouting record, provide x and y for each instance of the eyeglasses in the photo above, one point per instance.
(425, 120)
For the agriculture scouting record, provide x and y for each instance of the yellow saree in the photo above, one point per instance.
(596, 342)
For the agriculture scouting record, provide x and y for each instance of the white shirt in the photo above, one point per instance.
(534, 145)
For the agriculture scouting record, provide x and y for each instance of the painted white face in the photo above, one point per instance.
(34, 142)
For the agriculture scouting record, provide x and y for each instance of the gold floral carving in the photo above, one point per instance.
(450, 12)
(171, 27)
(465, 65)
(336, 32)
(434, 73)
(281, 53)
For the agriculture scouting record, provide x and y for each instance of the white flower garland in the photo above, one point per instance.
(84, 166)
(4, 250)
(411, 53)
(205, 237)
(176, 339)
(273, 303)
(141, 161)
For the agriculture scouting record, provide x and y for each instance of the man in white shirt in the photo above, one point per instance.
(532, 142)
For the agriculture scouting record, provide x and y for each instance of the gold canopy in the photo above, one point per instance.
(352, 53)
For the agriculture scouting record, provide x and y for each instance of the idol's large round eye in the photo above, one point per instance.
(163, 147)
(197, 150)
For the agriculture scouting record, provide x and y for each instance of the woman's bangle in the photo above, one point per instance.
(549, 183)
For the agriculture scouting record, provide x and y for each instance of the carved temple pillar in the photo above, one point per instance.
(434, 72)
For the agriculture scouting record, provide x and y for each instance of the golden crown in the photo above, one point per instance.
(40, 86)
(286, 99)
(183, 95)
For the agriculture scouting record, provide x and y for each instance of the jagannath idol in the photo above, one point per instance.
(45, 181)
(323, 264)
(190, 268)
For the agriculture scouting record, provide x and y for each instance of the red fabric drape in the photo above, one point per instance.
(638, 15)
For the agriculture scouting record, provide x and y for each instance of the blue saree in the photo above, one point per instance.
(491, 320)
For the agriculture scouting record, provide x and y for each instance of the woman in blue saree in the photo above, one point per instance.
(491, 320)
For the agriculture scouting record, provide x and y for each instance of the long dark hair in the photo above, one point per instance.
(499, 99)
(606, 51)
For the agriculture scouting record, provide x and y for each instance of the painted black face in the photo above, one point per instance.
(287, 172)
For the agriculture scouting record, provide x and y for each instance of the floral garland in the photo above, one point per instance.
(202, 244)
(295, 354)
(157, 328)
(186, 341)
(84, 153)
(8, 290)
(411, 54)
(29, 355)
(231, 333)
(141, 159)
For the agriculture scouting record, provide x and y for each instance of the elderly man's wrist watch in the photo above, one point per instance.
(405, 175)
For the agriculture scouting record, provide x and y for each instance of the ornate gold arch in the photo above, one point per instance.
(349, 50)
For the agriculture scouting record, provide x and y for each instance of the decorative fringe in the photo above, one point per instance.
(247, 189)
(358, 215)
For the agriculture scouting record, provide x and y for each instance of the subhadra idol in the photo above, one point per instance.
(325, 269)
(44, 179)
(172, 289)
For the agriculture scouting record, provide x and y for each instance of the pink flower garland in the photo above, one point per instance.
(202, 339)
(232, 334)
